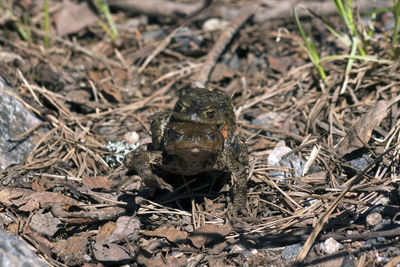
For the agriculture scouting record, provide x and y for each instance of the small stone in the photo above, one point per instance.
(237, 249)
(373, 219)
(214, 24)
(292, 251)
(330, 246)
(383, 201)
(15, 252)
(131, 137)
(381, 239)
(15, 119)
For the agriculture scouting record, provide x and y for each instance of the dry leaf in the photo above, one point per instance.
(98, 182)
(45, 224)
(106, 230)
(74, 17)
(169, 232)
(73, 250)
(361, 132)
(28, 200)
(161, 260)
(126, 228)
(209, 233)
(281, 64)
(110, 253)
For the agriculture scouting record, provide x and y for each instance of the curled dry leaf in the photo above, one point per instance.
(169, 232)
(208, 234)
(361, 132)
(28, 200)
(86, 215)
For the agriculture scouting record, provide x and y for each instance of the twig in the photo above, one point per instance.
(272, 9)
(156, 7)
(76, 47)
(212, 57)
(164, 43)
(308, 244)
(293, 237)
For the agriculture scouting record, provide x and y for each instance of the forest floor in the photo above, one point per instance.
(323, 153)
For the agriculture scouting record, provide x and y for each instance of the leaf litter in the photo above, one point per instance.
(90, 91)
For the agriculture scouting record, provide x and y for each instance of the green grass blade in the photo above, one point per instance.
(103, 6)
(395, 41)
(310, 47)
(349, 65)
(363, 58)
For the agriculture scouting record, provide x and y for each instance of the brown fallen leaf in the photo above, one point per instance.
(74, 17)
(110, 253)
(108, 87)
(73, 250)
(124, 228)
(28, 200)
(281, 64)
(161, 260)
(169, 232)
(106, 230)
(361, 132)
(209, 233)
(98, 182)
(86, 214)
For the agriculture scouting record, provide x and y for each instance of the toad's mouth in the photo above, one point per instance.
(196, 150)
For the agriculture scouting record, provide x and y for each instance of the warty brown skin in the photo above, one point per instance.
(198, 136)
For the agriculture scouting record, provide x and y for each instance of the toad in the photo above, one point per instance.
(197, 136)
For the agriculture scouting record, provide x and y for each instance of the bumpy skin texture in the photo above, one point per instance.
(197, 136)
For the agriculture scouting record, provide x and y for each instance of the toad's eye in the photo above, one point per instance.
(212, 136)
(210, 113)
(175, 135)
(178, 107)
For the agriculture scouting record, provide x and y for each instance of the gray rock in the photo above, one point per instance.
(14, 252)
(291, 251)
(15, 119)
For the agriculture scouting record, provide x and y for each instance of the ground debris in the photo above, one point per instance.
(93, 94)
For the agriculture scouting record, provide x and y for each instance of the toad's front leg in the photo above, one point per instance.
(141, 160)
(239, 186)
(238, 190)
(234, 159)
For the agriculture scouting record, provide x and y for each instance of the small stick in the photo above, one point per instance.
(360, 176)
(164, 43)
(212, 57)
